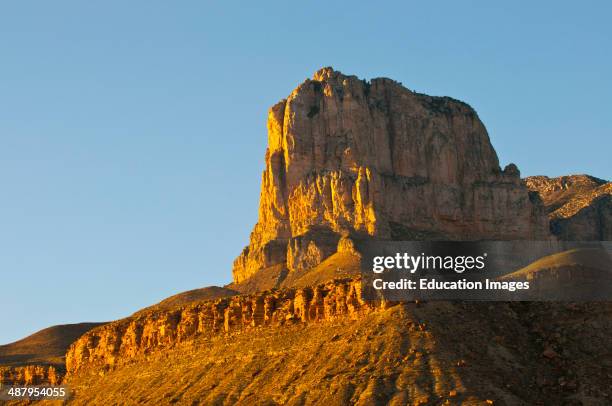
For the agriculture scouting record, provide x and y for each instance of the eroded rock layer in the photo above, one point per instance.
(437, 353)
(30, 375)
(120, 341)
(375, 159)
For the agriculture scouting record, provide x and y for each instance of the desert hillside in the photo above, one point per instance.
(191, 296)
(440, 353)
(40, 357)
(46, 346)
(348, 161)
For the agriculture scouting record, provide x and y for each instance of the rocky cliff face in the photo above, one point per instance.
(435, 353)
(374, 159)
(118, 342)
(30, 375)
(579, 206)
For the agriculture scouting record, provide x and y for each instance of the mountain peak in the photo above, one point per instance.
(348, 157)
(325, 73)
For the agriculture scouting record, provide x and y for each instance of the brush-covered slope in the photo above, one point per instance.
(191, 296)
(406, 354)
(40, 357)
(45, 347)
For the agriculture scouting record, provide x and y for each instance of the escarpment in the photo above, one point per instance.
(118, 342)
(30, 375)
(39, 358)
(373, 159)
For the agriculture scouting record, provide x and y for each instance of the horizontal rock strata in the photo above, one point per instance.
(122, 340)
(30, 375)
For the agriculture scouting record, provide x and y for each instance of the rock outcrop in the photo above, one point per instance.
(145, 332)
(39, 358)
(374, 159)
(579, 206)
(30, 375)
(435, 353)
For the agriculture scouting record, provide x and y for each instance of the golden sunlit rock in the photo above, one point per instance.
(376, 159)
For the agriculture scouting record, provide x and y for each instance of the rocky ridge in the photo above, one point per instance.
(400, 354)
(579, 206)
(30, 375)
(145, 332)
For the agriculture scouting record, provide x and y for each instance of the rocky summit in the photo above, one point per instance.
(351, 158)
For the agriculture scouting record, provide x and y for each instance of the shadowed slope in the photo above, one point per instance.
(46, 346)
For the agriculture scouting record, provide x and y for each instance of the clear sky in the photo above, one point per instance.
(132, 134)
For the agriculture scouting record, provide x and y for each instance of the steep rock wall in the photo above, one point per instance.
(30, 375)
(376, 159)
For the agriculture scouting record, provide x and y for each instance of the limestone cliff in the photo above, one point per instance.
(374, 159)
(149, 331)
(30, 375)
(579, 206)
(436, 353)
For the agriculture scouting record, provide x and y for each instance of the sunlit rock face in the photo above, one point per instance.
(29, 375)
(118, 342)
(374, 159)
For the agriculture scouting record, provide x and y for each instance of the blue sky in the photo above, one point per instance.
(132, 134)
